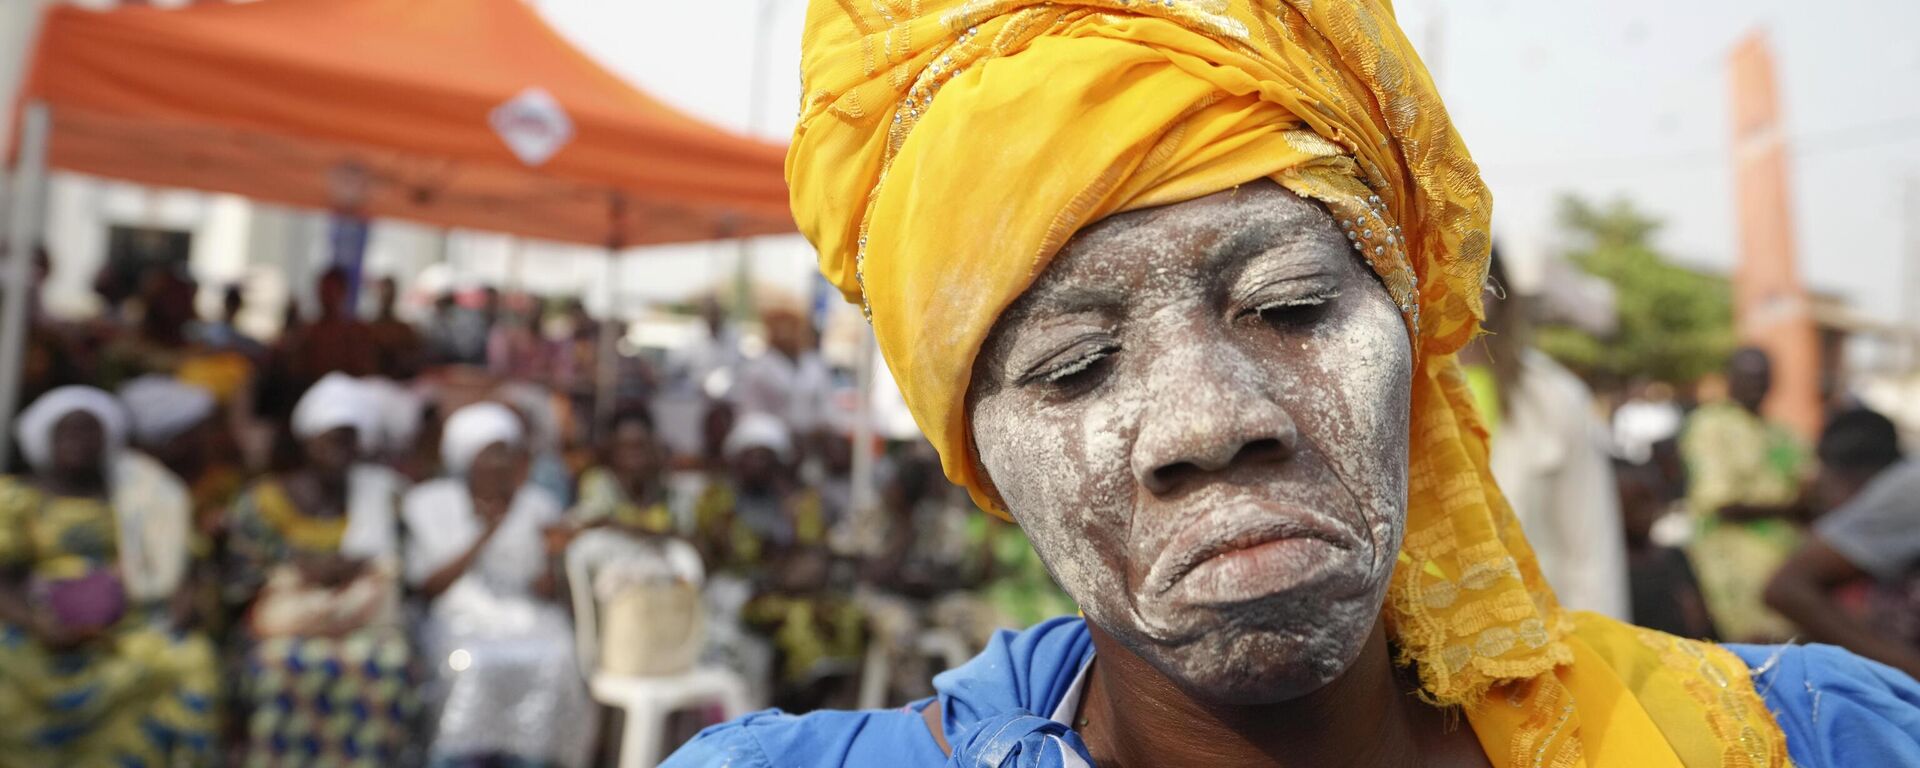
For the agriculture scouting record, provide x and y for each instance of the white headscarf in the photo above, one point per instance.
(34, 428)
(756, 429)
(471, 429)
(162, 407)
(337, 400)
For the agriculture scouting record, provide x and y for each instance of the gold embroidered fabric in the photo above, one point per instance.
(947, 149)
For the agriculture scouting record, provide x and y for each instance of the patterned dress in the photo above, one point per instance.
(141, 695)
(738, 532)
(316, 700)
(603, 498)
(1735, 457)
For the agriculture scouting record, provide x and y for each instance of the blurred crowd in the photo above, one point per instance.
(1685, 508)
(370, 541)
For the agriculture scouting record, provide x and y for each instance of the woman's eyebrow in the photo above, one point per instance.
(1290, 235)
(1070, 293)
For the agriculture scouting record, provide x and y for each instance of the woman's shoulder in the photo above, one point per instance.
(433, 500)
(1023, 673)
(18, 492)
(436, 488)
(775, 739)
(1836, 707)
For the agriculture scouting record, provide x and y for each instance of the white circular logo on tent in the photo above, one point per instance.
(533, 125)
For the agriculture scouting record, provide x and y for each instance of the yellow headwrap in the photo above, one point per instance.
(946, 151)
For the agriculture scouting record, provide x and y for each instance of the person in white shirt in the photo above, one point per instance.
(790, 380)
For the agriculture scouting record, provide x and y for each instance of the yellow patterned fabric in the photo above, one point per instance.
(947, 149)
(140, 694)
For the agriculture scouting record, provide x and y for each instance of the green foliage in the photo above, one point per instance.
(1675, 324)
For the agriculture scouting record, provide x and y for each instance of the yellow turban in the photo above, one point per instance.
(946, 150)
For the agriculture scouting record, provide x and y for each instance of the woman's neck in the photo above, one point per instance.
(488, 491)
(1366, 717)
(75, 484)
(318, 494)
(637, 487)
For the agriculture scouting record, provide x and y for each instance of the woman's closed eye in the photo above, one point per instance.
(1291, 307)
(1074, 367)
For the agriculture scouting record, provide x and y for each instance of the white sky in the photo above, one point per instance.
(1616, 98)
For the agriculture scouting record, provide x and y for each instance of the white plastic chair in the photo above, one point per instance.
(876, 670)
(646, 702)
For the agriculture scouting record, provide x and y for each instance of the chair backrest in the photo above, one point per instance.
(595, 550)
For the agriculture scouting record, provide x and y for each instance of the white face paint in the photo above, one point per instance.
(1199, 415)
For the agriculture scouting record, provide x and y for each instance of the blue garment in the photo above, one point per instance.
(1836, 708)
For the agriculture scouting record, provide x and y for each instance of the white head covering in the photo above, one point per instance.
(162, 407)
(337, 400)
(757, 429)
(471, 429)
(34, 428)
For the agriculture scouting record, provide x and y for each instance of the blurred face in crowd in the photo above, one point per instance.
(632, 453)
(757, 469)
(1855, 447)
(1749, 377)
(188, 452)
(1199, 415)
(333, 293)
(231, 303)
(1642, 500)
(169, 304)
(498, 470)
(836, 451)
(715, 316)
(333, 452)
(714, 428)
(787, 333)
(79, 447)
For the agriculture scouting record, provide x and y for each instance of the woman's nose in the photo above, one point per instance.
(1218, 422)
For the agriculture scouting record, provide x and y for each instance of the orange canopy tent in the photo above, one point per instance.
(463, 113)
(460, 113)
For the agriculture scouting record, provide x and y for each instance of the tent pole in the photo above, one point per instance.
(23, 234)
(606, 377)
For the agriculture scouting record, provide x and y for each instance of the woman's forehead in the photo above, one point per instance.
(1206, 234)
(76, 419)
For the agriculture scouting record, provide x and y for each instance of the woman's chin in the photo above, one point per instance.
(1267, 658)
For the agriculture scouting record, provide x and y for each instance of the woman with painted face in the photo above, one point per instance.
(505, 683)
(94, 667)
(314, 560)
(1178, 286)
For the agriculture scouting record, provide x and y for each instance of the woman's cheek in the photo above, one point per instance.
(1362, 369)
(1066, 482)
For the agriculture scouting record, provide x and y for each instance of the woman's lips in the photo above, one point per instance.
(1244, 555)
